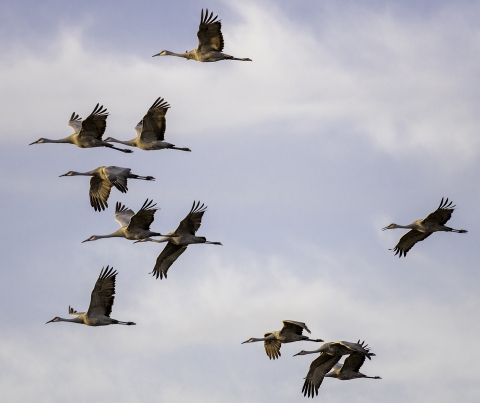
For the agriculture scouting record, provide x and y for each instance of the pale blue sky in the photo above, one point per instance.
(351, 116)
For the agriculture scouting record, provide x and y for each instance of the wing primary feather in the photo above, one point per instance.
(119, 207)
(441, 202)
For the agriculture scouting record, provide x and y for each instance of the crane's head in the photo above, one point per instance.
(92, 238)
(69, 173)
(250, 340)
(163, 53)
(391, 226)
(108, 139)
(55, 319)
(39, 141)
(303, 352)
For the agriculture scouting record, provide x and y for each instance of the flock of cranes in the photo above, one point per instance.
(330, 354)
(150, 130)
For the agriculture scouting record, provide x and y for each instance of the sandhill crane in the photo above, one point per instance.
(88, 132)
(210, 43)
(421, 229)
(290, 332)
(350, 369)
(330, 355)
(133, 226)
(151, 130)
(179, 239)
(101, 302)
(101, 182)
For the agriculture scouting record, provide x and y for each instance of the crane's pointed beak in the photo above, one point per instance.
(86, 240)
(33, 143)
(49, 321)
(62, 175)
(246, 341)
(383, 229)
(158, 54)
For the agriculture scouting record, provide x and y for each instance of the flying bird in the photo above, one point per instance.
(87, 132)
(330, 354)
(290, 332)
(101, 182)
(151, 130)
(179, 239)
(350, 369)
(210, 43)
(133, 226)
(101, 302)
(421, 229)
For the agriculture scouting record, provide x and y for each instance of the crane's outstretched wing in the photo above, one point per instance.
(75, 122)
(407, 241)
(144, 217)
(118, 177)
(166, 258)
(209, 33)
(272, 347)
(103, 293)
(191, 223)
(353, 362)
(441, 215)
(358, 347)
(95, 124)
(290, 326)
(346, 347)
(99, 192)
(123, 214)
(152, 126)
(319, 367)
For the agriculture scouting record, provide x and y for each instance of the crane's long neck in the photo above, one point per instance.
(74, 173)
(131, 143)
(270, 337)
(311, 352)
(187, 55)
(67, 139)
(409, 226)
(118, 233)
(158, 240)
(77, 319)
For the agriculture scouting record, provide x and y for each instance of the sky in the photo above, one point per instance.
(352, 115)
